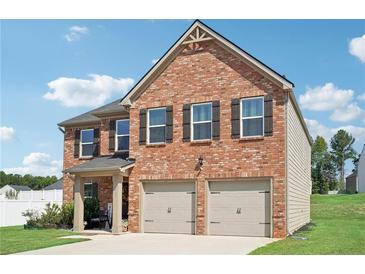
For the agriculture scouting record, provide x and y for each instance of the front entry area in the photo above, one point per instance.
(169, 207)
(239, 208)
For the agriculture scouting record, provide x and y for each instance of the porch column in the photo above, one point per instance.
(117, 204)
(79, 205)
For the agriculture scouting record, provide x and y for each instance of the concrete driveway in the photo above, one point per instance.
(140, 243)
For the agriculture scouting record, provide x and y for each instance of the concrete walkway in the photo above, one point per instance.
(140, 243)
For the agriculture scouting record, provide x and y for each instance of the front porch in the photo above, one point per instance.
(110, 173)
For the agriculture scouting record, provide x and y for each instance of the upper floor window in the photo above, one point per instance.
(122, 135)
(86, 142)
(156, 123)
(252, 117)
(201, 121)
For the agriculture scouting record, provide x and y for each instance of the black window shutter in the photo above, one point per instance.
(186, 123)
(142, 126)
(77, 144)
(216, 120)
(268, 110)
(96, 146)
(112, 135)
(235, 118)
(95, 190)
(169, 124)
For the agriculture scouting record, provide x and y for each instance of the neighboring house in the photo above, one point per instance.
(209, 141)
(352, 183)
(13, 188)
(57, 185)
(361, 171)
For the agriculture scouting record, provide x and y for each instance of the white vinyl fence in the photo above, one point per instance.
(11, 210)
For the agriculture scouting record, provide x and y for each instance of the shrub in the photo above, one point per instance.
(67, 214)
(91, 208)
(51, 216)
(32, 216)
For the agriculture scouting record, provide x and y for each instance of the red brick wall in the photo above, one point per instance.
(208, 74)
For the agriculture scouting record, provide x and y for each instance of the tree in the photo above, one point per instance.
(319, 156)
(342, 150)
(34, 182)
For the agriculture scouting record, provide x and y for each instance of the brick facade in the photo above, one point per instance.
(201, 75)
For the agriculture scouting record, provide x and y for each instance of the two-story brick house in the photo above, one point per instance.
(209, 141)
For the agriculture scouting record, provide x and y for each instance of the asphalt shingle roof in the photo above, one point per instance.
(19, 188)
(102, 163)
(90, 117)
(56, 185)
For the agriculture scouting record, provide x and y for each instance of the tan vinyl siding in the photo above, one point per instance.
(298, 171)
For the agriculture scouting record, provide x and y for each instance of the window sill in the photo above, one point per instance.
(201, 142)
(254, 138)
(86, 157)
(156, 145)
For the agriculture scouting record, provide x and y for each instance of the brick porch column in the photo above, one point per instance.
(79, 205)
(117, 204)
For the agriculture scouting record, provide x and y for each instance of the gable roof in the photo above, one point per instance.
(20, 188)
(93, 116)
(56, 185)
(198, 32)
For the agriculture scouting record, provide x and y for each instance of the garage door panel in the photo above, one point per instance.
(240, 229)
(256, 214)
(239, 208)
(169, 207)
(163, 226)
(253, 200)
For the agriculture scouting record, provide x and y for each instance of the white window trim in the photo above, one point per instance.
(148, 127)
(201, 122)
(87, 143)
(120, 135)
(252, 117)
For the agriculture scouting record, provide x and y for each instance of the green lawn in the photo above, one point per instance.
(15, 239)
(338, 227)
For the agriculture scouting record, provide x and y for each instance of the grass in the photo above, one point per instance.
(337, 227)
(14, 239)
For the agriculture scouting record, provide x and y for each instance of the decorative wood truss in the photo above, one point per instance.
(197, 35)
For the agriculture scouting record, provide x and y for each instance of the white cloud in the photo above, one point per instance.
(75, 32)
(37, 164)
(357, 47)
(327, 97)
(7, 133)
(361, 97)
(348, 113)
(93, 92)
(154, 61)
(316, 128)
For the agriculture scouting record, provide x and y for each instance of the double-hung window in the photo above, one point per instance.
(156, 122)
(201, 125)
(86, 142)
(122, 135)
(252, 117)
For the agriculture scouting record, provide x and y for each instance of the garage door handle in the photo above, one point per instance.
(169, 210)
(238, 210)
(215, 222)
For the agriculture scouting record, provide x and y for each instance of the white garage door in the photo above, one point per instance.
(239, 208)
(169, 207)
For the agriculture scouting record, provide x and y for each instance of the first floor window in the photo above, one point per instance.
(252, 117)
(122, 135)
(91, 190)
(156, 125)
(202, 121)
(86, 142)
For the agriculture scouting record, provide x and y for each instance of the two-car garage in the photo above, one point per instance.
(239, 208)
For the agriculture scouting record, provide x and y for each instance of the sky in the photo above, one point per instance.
(52, 70)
